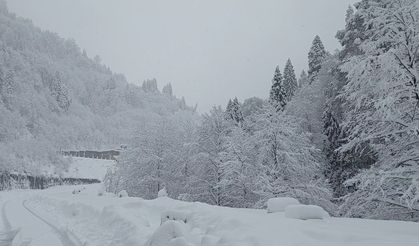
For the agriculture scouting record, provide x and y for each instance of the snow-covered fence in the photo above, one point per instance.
(107, 155)
(10, 181)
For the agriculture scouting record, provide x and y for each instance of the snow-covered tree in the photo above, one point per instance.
(252, 106)
(354, 33)
(150, 85)
(289, 160)
(7, 87)
(383, 97)
(212, 159)
(278, 95)
(303, 80)
(290, 80)
(234, 112)
(167, 90)
(316, 57)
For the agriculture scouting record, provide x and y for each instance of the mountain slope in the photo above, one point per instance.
(53, 96)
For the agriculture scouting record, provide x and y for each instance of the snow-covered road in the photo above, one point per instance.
(56, 217)
(26, 227)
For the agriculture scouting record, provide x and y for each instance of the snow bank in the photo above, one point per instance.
(280, 203)
(109, 221)
(305, 212)
(107, 225)
(169, 233)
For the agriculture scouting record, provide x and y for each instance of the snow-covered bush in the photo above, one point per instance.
(280, 203)
(162, 193)
(123, 193)
(305, 212)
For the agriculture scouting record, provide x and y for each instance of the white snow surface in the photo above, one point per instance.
(89, 219)
(280, 203)
(305, 212)
(88, 168)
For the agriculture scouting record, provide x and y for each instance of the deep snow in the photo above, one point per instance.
(88, 168)
(103, 220)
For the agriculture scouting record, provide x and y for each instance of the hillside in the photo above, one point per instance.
(54, 97)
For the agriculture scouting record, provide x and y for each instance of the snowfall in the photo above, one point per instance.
(84, 215)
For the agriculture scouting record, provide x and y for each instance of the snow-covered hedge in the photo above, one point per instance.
(305, 212)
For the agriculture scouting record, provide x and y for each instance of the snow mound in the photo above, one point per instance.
(123, 193)
(169, 233)
(175, 215)
(279, 204)
(101, 191)
(305, 212)
(162, 193)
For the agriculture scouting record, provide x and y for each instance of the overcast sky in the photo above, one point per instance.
(209, 50)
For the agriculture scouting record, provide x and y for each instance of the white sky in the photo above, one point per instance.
(209, 50)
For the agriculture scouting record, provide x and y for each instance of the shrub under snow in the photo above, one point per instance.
(280, 203)
(305, 212)
(123, 193)
(162, 192)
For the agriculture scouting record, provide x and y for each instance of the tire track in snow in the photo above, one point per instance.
(66, 237)
(8, 235)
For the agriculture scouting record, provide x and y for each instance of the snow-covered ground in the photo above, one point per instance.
(88, 168)
(56, 217)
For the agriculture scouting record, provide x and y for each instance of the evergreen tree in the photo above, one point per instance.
(316, 57)
(7, 87)
(167, 90)
(150, 86)
(234, 111)
(303, 80)
(354, 33)
(278, 95)
(290, 80)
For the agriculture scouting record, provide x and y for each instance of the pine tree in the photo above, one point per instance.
(7, 87)
(167, 90)
(150, 85)
(60, 91)
(303, 80)
(234, 111)
(316, 57)
(278, 95)
(290, 80)
(354, 33)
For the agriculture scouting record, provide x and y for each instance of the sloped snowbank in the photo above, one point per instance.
(108, 220)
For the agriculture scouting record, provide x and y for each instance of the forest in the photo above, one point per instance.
(343, 135)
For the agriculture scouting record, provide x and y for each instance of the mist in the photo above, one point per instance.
(198, 46)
